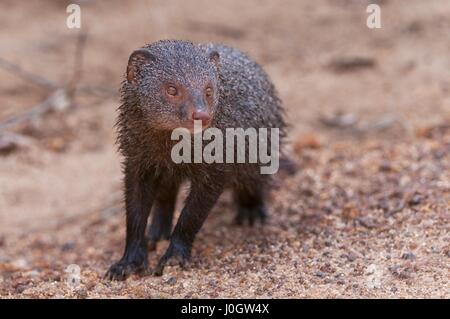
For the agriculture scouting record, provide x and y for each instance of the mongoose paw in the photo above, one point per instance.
(176, 254)
(250, 215)
(121, 270)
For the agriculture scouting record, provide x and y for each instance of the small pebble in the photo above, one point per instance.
(172, 281)
(21, 288)
(367, 222)
(351, 256)
(415, 200)
(408, 256)
(68, 246)
(319, 274)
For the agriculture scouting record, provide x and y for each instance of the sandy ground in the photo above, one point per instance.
(366, 215)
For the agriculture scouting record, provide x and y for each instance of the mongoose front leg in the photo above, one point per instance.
(139, 195)
(162, 214)
(198, 204)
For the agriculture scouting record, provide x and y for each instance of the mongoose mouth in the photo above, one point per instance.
(199, 119)
(196, 125)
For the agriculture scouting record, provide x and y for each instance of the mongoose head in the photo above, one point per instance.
(175, 83)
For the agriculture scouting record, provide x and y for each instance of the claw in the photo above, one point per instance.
(176, 254)
(135, 262)
(122, 270)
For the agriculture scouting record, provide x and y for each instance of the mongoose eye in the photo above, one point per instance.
(171, 90)
(209, 92)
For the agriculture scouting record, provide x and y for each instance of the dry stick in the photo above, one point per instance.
(72, 87)
(57, 98)
(78, 65)
(47, 84)
(28, 76)
(41, 81)
(61, 96)
(96, 91)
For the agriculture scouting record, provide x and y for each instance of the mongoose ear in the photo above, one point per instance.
(214, 57)
(137, 59)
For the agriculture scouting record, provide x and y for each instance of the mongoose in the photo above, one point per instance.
(169, 84)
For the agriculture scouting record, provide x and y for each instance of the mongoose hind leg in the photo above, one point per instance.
(250, 206)
(162, 215)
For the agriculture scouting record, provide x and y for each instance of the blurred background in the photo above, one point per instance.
(344, 87)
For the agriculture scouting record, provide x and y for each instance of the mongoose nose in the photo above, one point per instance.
(202, 116)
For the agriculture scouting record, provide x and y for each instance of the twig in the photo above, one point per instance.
(48, 84)
(78, 66)
(96, 91)
(62, 96)
(58, 100)
(11, 141)
(28, 76)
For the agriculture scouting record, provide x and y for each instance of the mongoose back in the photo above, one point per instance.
(170, 84)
